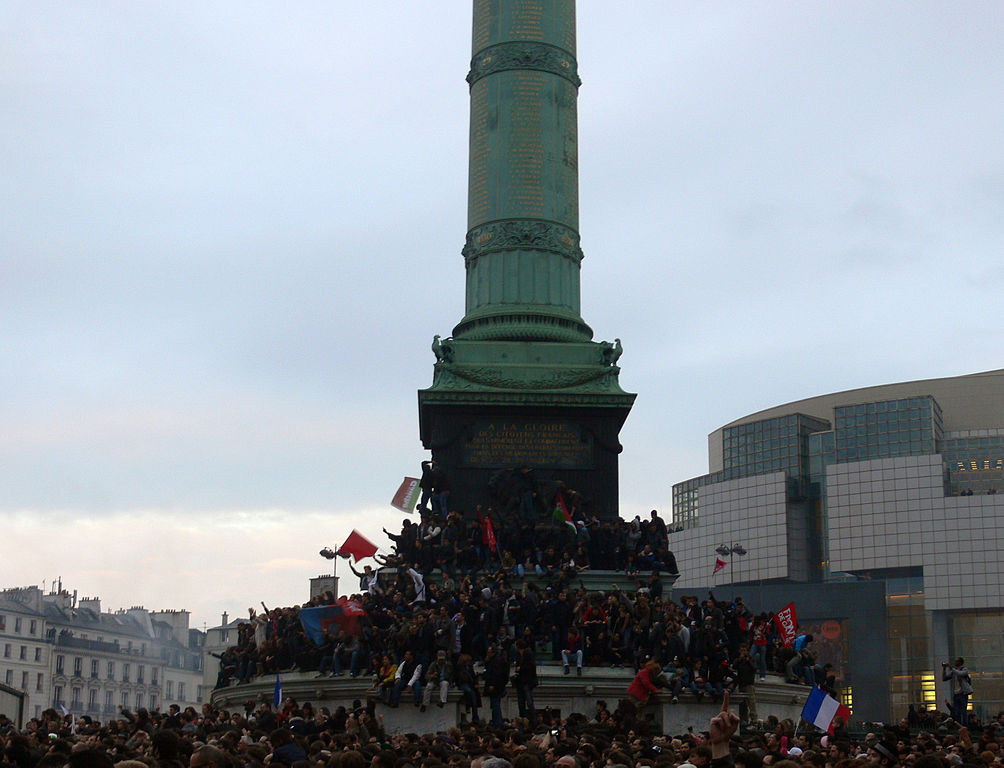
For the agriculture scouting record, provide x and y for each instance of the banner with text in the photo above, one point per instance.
(786, 624)
(407, 496)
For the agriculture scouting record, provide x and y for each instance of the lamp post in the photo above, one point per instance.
(330, 554)
(728, 551)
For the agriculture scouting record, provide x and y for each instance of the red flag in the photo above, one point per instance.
(786, 623)
(487, 532)
(719, 564)
(348, 617)
(490, 535)
(358, 546)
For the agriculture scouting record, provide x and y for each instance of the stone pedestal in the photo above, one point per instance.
(496, 407)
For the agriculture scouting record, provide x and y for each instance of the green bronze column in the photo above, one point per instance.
(522, 252)
(520, 383)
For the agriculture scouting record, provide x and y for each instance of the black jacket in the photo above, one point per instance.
(496, 675)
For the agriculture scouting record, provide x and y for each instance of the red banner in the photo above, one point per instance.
(786, 624)
(719, 564)
(358, 546)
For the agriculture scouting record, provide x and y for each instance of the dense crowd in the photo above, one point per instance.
(416, 636)
(483, 630)
(521, 527)
(538, 544)
(485, 636)
(298, 735)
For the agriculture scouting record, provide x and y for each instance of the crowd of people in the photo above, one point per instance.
(464, 618)
(540, 544)
(482, 631)
(417, 635)
(483, 636)
(295, 735)
(522, 527)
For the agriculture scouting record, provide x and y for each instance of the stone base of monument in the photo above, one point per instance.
(562, 694)
(481, 449)
(497, 406)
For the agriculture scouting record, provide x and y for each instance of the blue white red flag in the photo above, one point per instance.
(821, 710)
(277, 696)
(345, 613)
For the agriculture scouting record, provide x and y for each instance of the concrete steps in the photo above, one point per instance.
(564, 693)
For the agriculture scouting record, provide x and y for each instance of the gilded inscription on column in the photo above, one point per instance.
(526, 149)
(566, 30)
(482, 25)
(477, 193)
(528, 20)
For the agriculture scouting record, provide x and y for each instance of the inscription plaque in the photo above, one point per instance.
(558, 445)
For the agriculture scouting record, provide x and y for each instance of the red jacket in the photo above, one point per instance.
(643, 685)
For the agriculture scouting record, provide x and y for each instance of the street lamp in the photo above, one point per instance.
(725, 550)
(331, 554)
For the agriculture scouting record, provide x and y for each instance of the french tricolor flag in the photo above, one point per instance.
(821, 709)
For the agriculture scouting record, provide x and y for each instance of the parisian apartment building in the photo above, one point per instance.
(68, 654)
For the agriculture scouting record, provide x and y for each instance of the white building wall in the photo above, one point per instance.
(123, 684)
(101, 683)
(23, 656)
(892, 513)
(750, 511)
(966, 566)
(186, 687)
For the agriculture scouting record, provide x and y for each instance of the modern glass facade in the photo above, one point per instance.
(758, 448)
(887, 469)
(978, 637)
(685, 498)
(974, 462)
(911, 677)
(881, 430)
(773, 445)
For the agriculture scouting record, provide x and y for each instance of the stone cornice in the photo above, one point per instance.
(523, 378)
(433, 396)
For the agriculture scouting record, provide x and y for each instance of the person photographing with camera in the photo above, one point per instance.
(962, 688)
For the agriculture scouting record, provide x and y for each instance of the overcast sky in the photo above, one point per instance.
(229, 231)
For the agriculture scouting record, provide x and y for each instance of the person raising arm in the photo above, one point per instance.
(721, 730)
